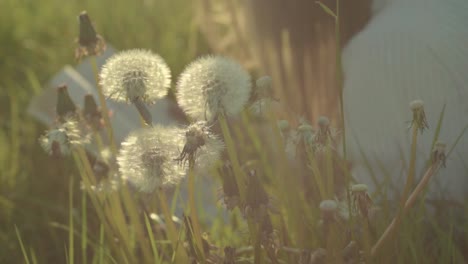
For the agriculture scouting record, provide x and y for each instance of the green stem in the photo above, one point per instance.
(104, 109)
(393, 227)
(193, 214)
(172, 230)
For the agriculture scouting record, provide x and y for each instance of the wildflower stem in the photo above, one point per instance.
(171, 229)
(193, 214)
(83, 167)
(408, 204)
(339, 83)
(98, 139)
(409, 182)
(421, 185)
(339, 73)
(84, 228)
(238, 174)
(131, 209)
(71, 238)
(411, 171)
(105, 110)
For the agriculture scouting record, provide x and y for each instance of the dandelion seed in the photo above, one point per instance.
(211, 85)
(61, 140)
(134, 75)
(90, 43)
(146, 158)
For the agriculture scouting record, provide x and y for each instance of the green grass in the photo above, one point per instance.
(46, 218)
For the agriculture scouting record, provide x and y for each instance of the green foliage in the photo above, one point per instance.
(46, 218)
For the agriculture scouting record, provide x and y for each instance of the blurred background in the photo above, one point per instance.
(292, 41)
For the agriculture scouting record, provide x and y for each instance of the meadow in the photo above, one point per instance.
(273, 207)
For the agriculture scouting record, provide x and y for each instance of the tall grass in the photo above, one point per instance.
(277, 219)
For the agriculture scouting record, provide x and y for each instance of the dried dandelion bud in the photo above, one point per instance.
(135, 75)
(361, 199)
(146, 158)
(65, 106)
(90, 43)
(202, 149)
(438, 153)
(211, 85)
(257, 200)
(329, 208)
(419, 116)
(91, 112)
(61, 140)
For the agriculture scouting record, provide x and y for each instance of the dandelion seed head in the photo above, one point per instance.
(359, 188)
(305, 128)
(135, 74)
(147, 158)
(416, 105)
(283, 124)
(212, 84)
(55, 141)
(323, 121)
(328, 206)
(61, 140)
(208, 146)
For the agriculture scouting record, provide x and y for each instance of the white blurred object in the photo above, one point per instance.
(411, 49)
(80, 81)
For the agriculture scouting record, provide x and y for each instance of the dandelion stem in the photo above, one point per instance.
(409, 182)
(83, 166)
(238, 174)
(409, 203)
(193, 214)
(84, 228)
(171, 229)
(105, 110)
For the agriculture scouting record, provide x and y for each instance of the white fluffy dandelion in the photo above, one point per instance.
(135, 75)
(60, 141)
(212, 84)
(147, 158)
